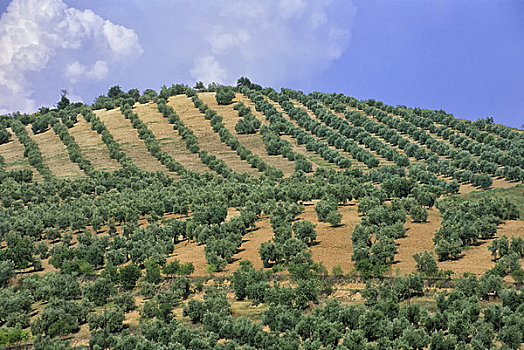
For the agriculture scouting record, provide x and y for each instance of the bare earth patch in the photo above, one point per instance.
(477, 259)
(168, 138)
(333, 246)
(92, 146)
(208, 140)
(130, 143)
(419, 237)
(13, 153)
(55, 155)
(250, 245)
(191, 252)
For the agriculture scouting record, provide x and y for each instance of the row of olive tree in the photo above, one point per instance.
(151, 142)
(348, 132)
(303, 137)
(232, 141)
(31, 151)
(271, 135)
(467, 221)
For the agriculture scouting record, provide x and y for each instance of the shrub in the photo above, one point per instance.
(224, 95)
(418, 214)
(426, 263)
(334, 218)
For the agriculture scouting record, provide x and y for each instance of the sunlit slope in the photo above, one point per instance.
(410, 131)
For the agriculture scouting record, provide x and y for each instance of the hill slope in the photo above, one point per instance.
(208, 179)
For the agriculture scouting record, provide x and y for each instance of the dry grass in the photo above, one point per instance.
(382, 160)
(355, 163)
(419, 237)
(92, 146)
(477, 259)
(300, 149)
(250, 245)
(130, 143)
(13, 153)
(55, 155)
(497, 183)
(312, 156)
(253, 141)
(191, 252)
(208, 140)
(333, 247)
(169, 140)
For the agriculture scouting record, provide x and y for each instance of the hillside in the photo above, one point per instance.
(182, 186)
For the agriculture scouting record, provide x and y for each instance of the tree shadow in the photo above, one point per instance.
(249, 230)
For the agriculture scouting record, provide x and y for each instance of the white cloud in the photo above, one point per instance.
(207, 70)
(291, 8)
(98, 71)
(318, 18)
(74, 71)
(221, 42)
(47, 46)
(77, 71)
(270, 41)
(35, 33)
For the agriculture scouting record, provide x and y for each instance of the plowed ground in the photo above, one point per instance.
(55, 155)
(124, 133)
(208, 140)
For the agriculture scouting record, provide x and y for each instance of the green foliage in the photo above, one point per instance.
(323, 208)
(398, 187)
(109, 321)
(192, 207)
(247, 125)
(16, 308)
(334, 218)
(13, 336)
(195, 310)
(305, 231)
(99, 291)
(59, 318)
(465, 221)
(224, 95)
(418, 213)
(426, 263)
(152, 271)
(5, 136)
(7, 271)
(250, 283)
(125, 301)
(129, 274)
(63, 103)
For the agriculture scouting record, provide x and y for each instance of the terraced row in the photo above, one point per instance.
(91, 145)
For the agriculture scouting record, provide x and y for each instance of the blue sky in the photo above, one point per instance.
(466, 57)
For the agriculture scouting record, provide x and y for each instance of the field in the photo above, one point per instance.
(334, 245)
(164, 181)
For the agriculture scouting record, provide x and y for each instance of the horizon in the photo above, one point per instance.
(465, 58)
